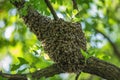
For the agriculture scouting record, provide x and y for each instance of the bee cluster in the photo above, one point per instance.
(62, 40)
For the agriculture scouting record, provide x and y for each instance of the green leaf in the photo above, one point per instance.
(36, 53)
(15, 67)
(21, 71)
(84, 54)
(1, 78)
(22, 61)
(74, 12)
(43, 78)
(60, 2)
(106, 57)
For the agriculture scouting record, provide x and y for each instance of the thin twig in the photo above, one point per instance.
(115, 49)
(77, 76)
(51, 9)
(13, 76)
(75, 4)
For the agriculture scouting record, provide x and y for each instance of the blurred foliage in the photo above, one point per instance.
(21, 52)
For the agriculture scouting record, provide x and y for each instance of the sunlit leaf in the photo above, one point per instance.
(15, 67)
(22, 61)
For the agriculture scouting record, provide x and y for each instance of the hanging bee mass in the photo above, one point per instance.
(62, 40)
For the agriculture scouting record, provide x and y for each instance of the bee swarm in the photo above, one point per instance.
(62, 40)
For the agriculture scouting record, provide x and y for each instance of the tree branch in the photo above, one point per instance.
(38, 23)
(75, 4)
(47, 72)
(51, 9)
(18, 4)
(77, 76)
(115, 49)
(93, 66)
(102, 69)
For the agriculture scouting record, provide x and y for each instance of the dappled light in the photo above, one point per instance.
(23, 50)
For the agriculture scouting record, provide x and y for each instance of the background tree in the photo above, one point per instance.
(24, 53)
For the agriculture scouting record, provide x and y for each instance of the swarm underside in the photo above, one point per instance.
(62, 40)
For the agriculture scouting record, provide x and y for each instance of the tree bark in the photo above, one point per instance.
(102, 69)
(92, 65)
